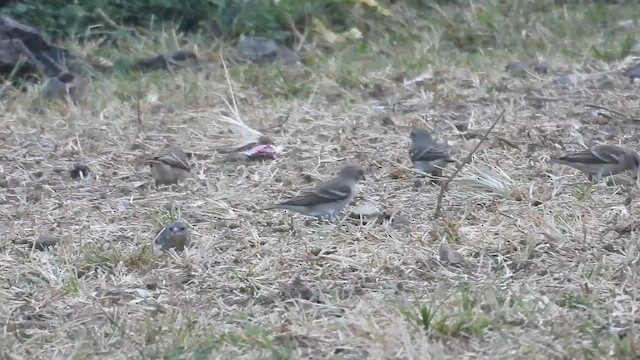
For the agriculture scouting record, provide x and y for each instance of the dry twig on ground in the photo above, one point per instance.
(445, 184)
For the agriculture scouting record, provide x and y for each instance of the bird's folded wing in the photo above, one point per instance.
(430, 153)
(595, 156)
(608, 153)
(333, 191)
(175, 159)
(160, 236)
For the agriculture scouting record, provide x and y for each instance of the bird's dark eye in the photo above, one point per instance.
(181, 228)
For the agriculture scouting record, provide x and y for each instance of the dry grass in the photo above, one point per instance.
(549, 268)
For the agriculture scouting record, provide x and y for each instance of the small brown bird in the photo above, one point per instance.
(173, 236)
(328, 198)
(601, 160)
(170, 166)
(427, 155)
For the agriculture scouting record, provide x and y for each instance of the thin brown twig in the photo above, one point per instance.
(464, 162)
(119, 326)
(294, 29)
(281, 123)
(139, 114)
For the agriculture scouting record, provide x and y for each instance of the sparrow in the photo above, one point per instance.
(173, 236)
(601, 160)
(327, 198)
(427, 155)
(169, 166)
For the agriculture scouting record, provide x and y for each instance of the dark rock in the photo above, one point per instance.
(516, 69)
(14, 53)
(79, 171)
(540, 68)
(46, 242)
(54, 59)
(606, 85)
(48, 58)
(176, 60)
(32, 39)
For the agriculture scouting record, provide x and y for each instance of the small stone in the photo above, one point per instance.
(562, 80)
(176, 60)
(46, 242)
(262, 50)
(462, 126)
(516, 69)
(34, 196)
(540, 68)
(364, 210)
(386, 121)
(79, 171)
(447, 254)
(606, 85)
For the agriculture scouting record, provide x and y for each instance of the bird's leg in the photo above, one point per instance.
(291, 224)
(334, 217)
(436, 177)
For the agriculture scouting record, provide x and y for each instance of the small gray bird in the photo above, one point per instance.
(71, 83)
(63, 85)
(427, 155)
(328, 198)
(170, 166)
(601, 160)
(173, 236)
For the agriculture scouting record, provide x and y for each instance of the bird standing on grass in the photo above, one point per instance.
(70, 83)
(170, 166)
(63, 85)
(427, 155)
(601, 160)
(328, 198)
(173, 236)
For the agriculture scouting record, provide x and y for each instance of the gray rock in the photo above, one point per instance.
(48, 57)
(540, 68)
(261, 50)
(46, 242)
(516, 69)
(14, 54)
